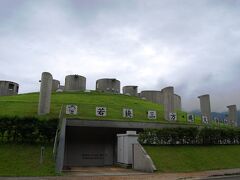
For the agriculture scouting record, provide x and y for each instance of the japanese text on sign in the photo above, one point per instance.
(71, 109)
(101, 111)
(128, 113)
(172, 116)
(152, 115)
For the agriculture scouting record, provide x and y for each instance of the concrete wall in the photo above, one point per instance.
(130, 90)
(8, 88)
(232, 114)
(205, 106)
(45, 94)
(141, 160)
(108, 85)
(55, 85)
(61, 147)
(168, 101)
(177, 103)
(75, 83)
(154, 96)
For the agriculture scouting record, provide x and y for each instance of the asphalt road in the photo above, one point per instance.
(137, 177)
(233, 177)
(128, 174)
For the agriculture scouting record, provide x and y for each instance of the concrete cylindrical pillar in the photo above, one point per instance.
(45, 94)
(75, 83)
(8, 88)
(55, 85)
(153, 96)
(205, 106)
(168, 101)
(232, 114)
(177, 103)
(108, 85)
(130, 90)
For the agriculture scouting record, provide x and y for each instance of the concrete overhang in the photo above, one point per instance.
(59, 147)
(123, 124)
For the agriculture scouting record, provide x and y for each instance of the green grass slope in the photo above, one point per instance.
(194, 158)
(24, 160)
(27, 104)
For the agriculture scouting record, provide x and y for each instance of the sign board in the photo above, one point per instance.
(101, 111)
(71, 109)
(172, 116)
(152, 115)
(127, 113)
(217, 120)
(225, 121)
(205, 119)
(190, 118)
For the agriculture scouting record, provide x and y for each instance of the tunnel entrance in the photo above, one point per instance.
(91, 146)
(88, 146)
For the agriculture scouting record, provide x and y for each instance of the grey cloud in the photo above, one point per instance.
(191, 45)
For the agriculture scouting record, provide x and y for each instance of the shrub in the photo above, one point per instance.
(190, 135)
(27, 129)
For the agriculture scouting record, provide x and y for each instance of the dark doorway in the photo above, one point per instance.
(85, 146)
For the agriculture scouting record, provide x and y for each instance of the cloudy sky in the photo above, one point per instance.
(191, 45)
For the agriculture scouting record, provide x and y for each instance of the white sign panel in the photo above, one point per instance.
(71, 109)
(172, 116)
(127, 113)
(101, 111)
(225, 121)
(216, 119)
(190, 118)
(152, 115)
(205, 119)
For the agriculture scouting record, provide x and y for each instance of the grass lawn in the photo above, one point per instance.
(27, 105)
(23, 160)
(194, 158)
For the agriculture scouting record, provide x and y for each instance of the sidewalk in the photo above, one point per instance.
(120, 174)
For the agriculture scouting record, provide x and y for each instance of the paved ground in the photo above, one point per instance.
(103, 171)
(224, 178)
(123, 174)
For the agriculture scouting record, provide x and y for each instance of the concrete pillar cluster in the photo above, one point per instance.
(130, 90)
(75, 83)
(108, 85)
(55, 85)
(8, 88)
(168, 101)
(49, 85)
(232, 114)
(45, 94)
(153, 96)
(165, 97)
(205, 106)
(177, 103)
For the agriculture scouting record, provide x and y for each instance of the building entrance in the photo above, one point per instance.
(86, 146)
